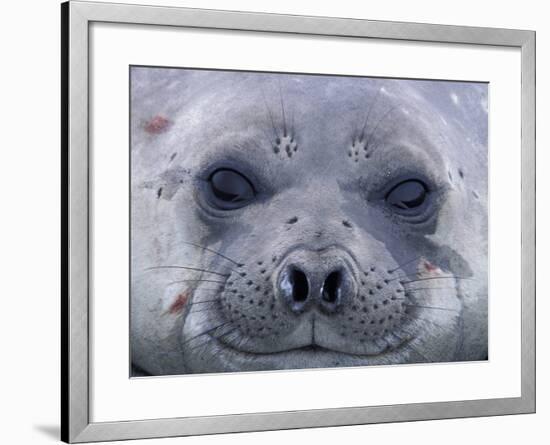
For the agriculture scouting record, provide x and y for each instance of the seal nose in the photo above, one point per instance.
(294, 288)
(301, 289)
(331, 291)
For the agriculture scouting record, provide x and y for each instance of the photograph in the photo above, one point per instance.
(281, 222)
(286, 220)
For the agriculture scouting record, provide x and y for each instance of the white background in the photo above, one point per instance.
(29, 243)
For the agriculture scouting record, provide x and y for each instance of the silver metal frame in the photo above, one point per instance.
(76, 18)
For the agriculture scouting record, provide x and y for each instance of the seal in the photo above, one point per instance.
(283, 221)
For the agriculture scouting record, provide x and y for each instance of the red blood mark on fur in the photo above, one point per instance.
(158, 124)
(430, 267)
(179, 303)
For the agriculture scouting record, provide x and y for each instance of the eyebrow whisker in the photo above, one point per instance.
(282, 109)
(372, 133)
(367, 118)
(271, 118)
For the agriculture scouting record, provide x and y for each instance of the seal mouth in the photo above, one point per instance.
(308, 349)
(315, 349)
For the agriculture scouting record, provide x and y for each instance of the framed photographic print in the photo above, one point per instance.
(292, 217)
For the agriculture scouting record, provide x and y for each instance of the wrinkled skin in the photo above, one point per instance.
(321, 153)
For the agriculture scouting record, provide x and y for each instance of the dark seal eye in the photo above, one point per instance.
(407, 195)
(230, 190)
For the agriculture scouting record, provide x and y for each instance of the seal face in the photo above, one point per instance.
(296, 221)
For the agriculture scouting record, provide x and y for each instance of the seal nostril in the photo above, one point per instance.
(300, 286)
(331, 287)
